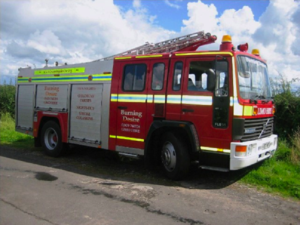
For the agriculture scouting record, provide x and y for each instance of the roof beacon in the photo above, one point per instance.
(255, 52)
(226, 43)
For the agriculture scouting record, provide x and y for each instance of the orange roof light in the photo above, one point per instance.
(226, 44)
(255, 52)
(226, 38)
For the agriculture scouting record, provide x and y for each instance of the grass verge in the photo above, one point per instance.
(8, 135)
(280, 174)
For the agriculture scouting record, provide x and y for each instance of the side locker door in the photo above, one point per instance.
(85, 116)
(25, 107)
(132, 107)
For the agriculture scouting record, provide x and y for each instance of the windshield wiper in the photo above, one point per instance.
(261, 97)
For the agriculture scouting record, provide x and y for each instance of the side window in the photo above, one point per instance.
(201, 76)
(221, 79)
(158, 76)
(204, 79)
(177, 76)
(134, 77)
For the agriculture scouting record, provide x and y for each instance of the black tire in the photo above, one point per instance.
(175, 158)
(51, 139)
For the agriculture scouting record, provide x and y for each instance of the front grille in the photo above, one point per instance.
(257, 128)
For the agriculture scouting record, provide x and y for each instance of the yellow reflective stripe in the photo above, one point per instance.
(196, 100)
(127, 138)
(138, 98)
(174, 99)
(159, 98)
(101, 77)
(234, 74)
(123, 58)
(240, 110)
(23, 80)
(72, 78)
(237, 108)
(204, 53)
(150, 98)
(231, 101)
(147, 56)
(114, 97)
(214, 149)
(248, 111)
(132, 98)
(208, 148)
(60, 71)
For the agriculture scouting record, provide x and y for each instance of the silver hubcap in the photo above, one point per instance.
(51, 138)
(168, 156)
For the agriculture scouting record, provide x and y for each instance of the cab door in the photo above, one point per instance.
(174, 89)
(204, 102)
(131, 107)
(156, 90)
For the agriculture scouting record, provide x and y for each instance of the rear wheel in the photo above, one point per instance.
(51, 139)
(175, 158)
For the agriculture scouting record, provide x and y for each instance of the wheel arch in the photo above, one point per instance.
(185, 130)
(61, 119)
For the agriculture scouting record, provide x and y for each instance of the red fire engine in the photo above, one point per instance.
(166, 102)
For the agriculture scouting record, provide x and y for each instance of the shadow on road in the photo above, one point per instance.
(108, 165)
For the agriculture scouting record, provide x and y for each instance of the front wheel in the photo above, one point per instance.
(175, 158)
(51, 139)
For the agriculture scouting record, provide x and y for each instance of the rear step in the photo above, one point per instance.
(133, 156)
(220, 169)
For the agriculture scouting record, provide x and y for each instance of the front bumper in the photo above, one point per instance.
(244, 154)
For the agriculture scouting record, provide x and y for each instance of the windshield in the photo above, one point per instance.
(253, 78)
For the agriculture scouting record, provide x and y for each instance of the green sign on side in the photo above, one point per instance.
(59, 71)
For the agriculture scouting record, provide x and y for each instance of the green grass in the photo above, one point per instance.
(280, 174)
(8, 135)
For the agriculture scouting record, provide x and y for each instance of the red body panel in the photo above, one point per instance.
(63, 123)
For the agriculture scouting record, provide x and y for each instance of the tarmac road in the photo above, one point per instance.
(36, 189)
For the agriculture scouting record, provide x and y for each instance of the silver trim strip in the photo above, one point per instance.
(135, 151)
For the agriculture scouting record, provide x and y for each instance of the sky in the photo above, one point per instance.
(75, 31)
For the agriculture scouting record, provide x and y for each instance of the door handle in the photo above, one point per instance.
(187, 110)
(122, 107)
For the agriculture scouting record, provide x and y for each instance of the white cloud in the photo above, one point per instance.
(46, 42)
(274, 33)
(172, 4)
(71, 31)
(240, 22)
(81, 30)
(277, 37)
(136, 3)
(201, 17)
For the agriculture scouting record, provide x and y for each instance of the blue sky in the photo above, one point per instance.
(178, 12)
(75, 31)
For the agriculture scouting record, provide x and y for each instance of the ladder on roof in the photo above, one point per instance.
(188, 42)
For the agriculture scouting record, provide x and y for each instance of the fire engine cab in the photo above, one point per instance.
(166, 102)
